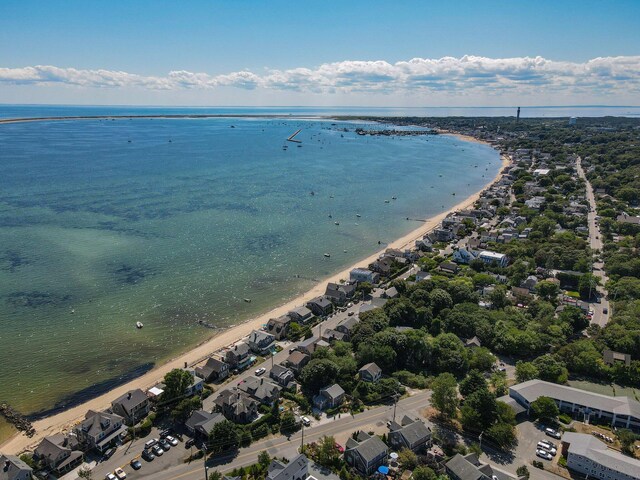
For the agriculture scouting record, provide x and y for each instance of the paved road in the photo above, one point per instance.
(595, 241)
(281, 446)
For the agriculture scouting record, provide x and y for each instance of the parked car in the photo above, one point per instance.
(171, 440)
(260, 371)
(543, 454)
(120, 473)
(189, 443)
(150, 443)
(164, 444)
(547, 447)
(305, 421)
(148, 455)
(157, 450)
(339, 447)
(550, 445)
(552, 433)
(108, 454)
(135, 464)
(605, 310)
(110, 476)
(165, 433)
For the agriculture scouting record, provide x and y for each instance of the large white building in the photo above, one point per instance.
(490, 257)
(587, 406)
(589, 456)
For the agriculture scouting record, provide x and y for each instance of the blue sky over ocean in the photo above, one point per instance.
(483, 53)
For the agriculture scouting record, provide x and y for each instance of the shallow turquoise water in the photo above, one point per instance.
(173, 221)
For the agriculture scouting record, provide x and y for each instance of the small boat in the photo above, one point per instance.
(327, 255)
(337, 223)
(330, 196)
(358, 215)
(73, 310)
(394, 198)
(312, 193)
(248, 300)
(386, 201)
(344, 251)
(453, 193)
(139, 325)
(440, 175)
(330, 216)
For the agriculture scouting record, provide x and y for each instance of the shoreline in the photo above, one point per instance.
(64, 420)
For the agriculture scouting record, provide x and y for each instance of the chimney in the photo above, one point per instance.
(7, 464)
(129, 396)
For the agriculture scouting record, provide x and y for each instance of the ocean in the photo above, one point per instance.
(104, 223)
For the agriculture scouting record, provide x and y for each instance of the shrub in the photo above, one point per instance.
(564, 418)
(562, 461)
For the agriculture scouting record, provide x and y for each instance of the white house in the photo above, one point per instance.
(464, 256)
(493, 257)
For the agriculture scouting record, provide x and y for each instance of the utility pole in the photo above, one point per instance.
(395, 404)
(204, 449)
(302, 441)
(480, 438)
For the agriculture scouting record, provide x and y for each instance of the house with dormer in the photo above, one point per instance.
(365, 453)
(133, 406)
(99, 430)
(59, 453)
(238, 357)
(409, 433)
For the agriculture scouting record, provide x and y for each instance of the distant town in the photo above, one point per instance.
(502, 346)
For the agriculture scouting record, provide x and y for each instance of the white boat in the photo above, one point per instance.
(358, 215)
(327, 255)
(248, 300)
(337, 223)
(139, 325)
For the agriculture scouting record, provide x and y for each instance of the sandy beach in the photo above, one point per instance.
(63, 421)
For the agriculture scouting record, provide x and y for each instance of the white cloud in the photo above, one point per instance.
(600, 77)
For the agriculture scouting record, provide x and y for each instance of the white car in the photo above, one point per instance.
(549, 443)
(120, 473)
(543, 454)
(110, 476)
(171, 440)
(547, 447)
(260, 371)
(552, 433)
(305, 421)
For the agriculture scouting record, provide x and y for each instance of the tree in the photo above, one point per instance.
(450, 354)
(327, 453)
(407, 459)
(587, 285)
(472, 383)
(382, 355)
(440, 299)
(526, 371)
(423, 473)
(523, 471)
(85, 472)
(317, 374)
(444, 396)
(223, 436)
(176, 382)
(627, 440)
(480, 410)
(548, 290)
(288, 423)
(503, 435)
(364, 288)
(545, 408)
(294, 332)
(264, 459)
(185, 408)
(498, 297)
(551, 369)
(215, 475)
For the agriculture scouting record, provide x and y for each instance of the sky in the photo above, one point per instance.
(320, 53)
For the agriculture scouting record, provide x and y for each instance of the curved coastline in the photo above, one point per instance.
(65, 419)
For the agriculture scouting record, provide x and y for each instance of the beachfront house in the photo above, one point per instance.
(201, 423)
(12, 468)
(301, 315)
(365, 453)
(339, 293)
(330, 335)
(358, 275)
(196, 385)
(260, 342)
(59, 453)
(261, 389)
(409, 433)
(320, 306)
(214, 370)
(346, 326)
(238, 356)
(370, 373)
(237, 406)
(133, 406)
(99, 430)
(279, 327)
(463, 256)
(329, 397)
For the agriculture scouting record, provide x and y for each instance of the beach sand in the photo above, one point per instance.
(65, 420)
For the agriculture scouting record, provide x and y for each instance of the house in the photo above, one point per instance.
(215, 370)
(358, 275)
(421, 276)
(390, 293)
(308, 346)
(370, 373)
(624, 218)
(463, 256)
(530, 283)
(424, 244)
(99, 430)
(279, 327)
(339, 294)
(409, 433)
(261, 342)
(196, 386)
(520, 292)
(296, 469)
(448, 267)
(468, 467)
(200, 423)
(610, 357)
(346, 326)
(618, 411)
(12, 468)
(260, 389)
(382, 265)
(283, 376)
(297, 361)
(589, 456)
(473, 342)
(329, 397)
(493, 257)
(237, 406)
(366, 453)
(330, 335)
(133, 406)
(301, 315)
(443, 235)
(59, 453)
(320, 306)
(238, 356)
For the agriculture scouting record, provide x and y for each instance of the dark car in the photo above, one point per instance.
(148, 455)
(157, 450)
(108, 454)
(135, 464)
(164, 444)
(189, 443)
(166, 432)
